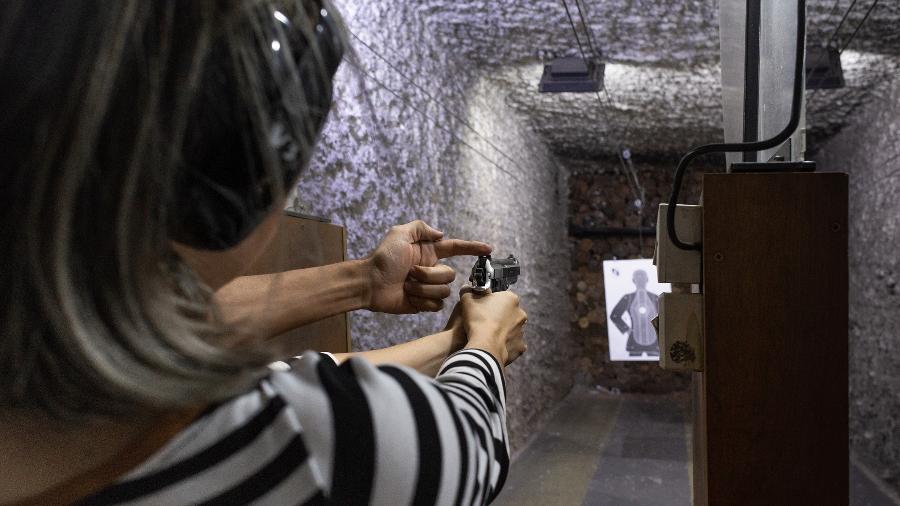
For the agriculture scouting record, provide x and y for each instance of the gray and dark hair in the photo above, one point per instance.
(102, 104)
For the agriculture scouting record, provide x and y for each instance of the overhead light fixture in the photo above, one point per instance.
(823, 68)
(571, 75)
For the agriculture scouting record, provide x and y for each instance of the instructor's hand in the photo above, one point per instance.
(403, 270)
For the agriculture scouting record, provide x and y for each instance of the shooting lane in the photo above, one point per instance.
(458, 124)
(757, 322)
(697, 203)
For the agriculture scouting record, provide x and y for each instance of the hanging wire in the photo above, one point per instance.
(584, 15)
(860, 25)
(436, 123)
(840, 25)
(587, 30)
(831, 39)
(575, 31)
(395, 52)
(628, 171)
(847, 44)
(834, 8)
(410, 80)
(584, 58)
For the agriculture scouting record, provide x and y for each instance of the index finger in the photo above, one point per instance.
(455, 247)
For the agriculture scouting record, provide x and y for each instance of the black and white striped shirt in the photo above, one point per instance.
(319, 433)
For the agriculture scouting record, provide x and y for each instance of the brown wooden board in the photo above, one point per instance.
(301, 243)
(773, 395)
(698, 441)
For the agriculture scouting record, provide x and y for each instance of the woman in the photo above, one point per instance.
(146, 150)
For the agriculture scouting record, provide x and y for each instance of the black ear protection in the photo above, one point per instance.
(226, 184)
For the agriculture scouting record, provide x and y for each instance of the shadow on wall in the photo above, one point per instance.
(600, 197)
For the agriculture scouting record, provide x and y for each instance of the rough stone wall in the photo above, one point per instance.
(600, 196)
(441, 144)
(869, 149)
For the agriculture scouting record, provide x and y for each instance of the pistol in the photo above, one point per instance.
(497, 275)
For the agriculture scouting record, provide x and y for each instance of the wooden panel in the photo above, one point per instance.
(698, 441)
(773, 397)
(301, 243)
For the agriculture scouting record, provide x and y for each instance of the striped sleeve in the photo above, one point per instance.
(389, 435)
(248, 450)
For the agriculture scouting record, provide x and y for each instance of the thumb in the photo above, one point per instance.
(421, 231)
(469, 290)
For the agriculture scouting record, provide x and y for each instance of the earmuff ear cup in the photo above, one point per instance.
(222, 191)
(242, 151)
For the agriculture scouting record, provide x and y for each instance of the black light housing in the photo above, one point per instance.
(823, 69)
(572, 75)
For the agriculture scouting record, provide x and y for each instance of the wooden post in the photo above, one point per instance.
(301, 243)
(771, 408)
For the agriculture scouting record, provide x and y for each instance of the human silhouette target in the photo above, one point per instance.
(632, 300)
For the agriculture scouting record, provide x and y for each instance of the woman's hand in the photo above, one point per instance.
(403, 271)
(494, 322)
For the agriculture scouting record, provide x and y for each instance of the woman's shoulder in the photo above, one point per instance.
(236, 420)
(237, 451)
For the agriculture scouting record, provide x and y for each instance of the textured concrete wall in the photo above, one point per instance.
(869, 149)
(600, 196)
(424, 150)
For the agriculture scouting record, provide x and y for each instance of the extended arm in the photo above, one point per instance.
(425, 354)
(401, 276)
(267, 305)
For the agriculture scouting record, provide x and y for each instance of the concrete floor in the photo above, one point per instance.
(603, 449)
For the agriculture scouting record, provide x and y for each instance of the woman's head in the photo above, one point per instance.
(128, 126)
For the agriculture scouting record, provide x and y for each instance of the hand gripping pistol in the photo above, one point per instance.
(497, 275)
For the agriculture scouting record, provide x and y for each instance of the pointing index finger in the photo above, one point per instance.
(456, 247)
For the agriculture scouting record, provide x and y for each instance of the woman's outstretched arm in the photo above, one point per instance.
(401, 276)
(425, 354)
(267, 305)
